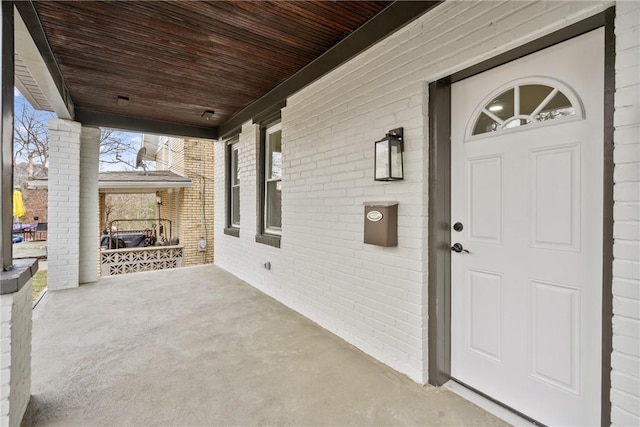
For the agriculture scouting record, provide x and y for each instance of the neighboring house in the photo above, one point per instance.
(35, 200)
(513, 264)
(190, 207)
(130, 182)
(35, 204)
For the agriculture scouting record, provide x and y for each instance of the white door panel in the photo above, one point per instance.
(527, 298)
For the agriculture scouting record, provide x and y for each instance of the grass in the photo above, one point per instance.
(39, 283)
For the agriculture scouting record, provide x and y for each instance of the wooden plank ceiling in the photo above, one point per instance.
(176, 59)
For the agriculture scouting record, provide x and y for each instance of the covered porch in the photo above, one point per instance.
(198, 346)
(292, 96)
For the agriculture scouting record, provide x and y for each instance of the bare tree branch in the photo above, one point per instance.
(114, 148)
(31, 144)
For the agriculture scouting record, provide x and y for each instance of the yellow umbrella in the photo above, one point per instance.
(18, 204)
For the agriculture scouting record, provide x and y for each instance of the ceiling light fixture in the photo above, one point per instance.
(122, 100)
(208, 114)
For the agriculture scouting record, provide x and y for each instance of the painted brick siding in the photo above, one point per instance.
(625, 375)
(64, 204)
(15, 355)
(373, 297)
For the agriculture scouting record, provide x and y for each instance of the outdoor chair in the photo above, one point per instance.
(41, 228)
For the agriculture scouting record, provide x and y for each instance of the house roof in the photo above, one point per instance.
(132, 181)
(158, 66)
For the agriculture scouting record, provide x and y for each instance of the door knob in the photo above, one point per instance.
(457, 247)
(458, 226)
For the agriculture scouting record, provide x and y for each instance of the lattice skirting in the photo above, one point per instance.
(123, 261)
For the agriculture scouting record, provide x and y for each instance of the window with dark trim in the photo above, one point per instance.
(232, 181)
(270, 184)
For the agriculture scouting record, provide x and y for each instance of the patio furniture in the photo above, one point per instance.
(24, 230)
(41, 228)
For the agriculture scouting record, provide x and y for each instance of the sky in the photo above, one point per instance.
(132, 139)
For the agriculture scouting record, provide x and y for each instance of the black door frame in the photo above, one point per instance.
(439, 241)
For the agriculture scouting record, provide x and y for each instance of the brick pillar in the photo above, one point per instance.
(102, 225)
(165, 207)
(89, 247)
(64, 204)
(15, 353)
(196, 202)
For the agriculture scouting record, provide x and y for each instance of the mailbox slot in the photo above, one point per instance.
(381, 223)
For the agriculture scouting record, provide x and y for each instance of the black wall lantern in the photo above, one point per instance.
(388, 156)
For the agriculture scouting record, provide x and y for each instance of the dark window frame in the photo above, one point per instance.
(230, 229)
(263, 236)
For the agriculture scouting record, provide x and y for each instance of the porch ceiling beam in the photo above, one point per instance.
(97, 118)
(389, 20)
(35, 51)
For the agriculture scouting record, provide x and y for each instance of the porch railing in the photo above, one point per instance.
(133, 260)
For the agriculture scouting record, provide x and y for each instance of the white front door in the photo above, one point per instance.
(526, 182)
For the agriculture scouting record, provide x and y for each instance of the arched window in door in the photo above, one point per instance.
(526, 102)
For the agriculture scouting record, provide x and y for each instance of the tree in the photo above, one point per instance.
(31, 157)
(129, 206)
(115, 148)
(31, 143)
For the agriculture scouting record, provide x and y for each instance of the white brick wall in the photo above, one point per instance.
(625, 375)
(64, 204)
(373, 297)
(88, 232)
(15, 355)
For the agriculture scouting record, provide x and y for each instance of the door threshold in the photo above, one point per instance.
(488, 405)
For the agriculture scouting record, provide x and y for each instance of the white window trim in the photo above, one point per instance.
(233, 147)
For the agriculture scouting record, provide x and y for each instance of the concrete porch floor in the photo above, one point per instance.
(198, 346)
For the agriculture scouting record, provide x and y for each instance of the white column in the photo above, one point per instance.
(6, 133)
(88, 231)
(64, 204)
